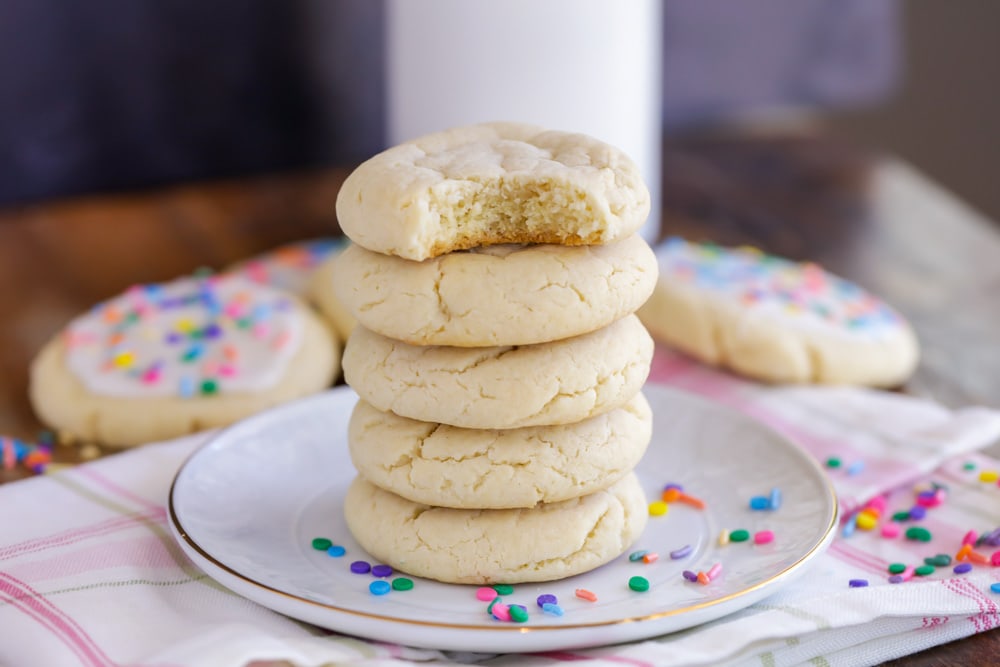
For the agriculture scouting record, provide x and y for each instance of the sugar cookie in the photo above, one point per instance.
(489, 184)
(322, 293)
(505, 387)
(508, 546)
(775, 320)
(163, 360)
(471, 468)
(289, 267)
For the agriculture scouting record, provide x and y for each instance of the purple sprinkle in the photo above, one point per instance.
(918, 512)
(673, 486)
(926, 495)
(360, 567)
(859, 583)
(212, 331)
(681, 553)
(545, 599)
(896, 579)
(173, 338)
(381, 570)
(689, 575)
(962, 568)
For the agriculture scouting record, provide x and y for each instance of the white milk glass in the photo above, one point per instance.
(590, 66)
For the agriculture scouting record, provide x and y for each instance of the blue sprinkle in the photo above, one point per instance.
(849, 527)
(336, 551)
(918, 512)
(636, 556)
(760, 503)
(775, 498)
(962, 568)
(855, 468)
(857, 583)
(186, 387)
(552, 608)
(379, 587)
(995, 588)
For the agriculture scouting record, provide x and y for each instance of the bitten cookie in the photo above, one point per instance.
(489, 184)
(289, 267)
(499, 295)
(322, 293)
(561, 382)
(509, 546)
(471, 468)
(163, 360)
(776, 320)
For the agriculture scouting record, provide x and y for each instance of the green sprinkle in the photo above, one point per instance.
(639, 584)
(518, 614)
(941, 560)
(209, 387)
(833, 462)
(489, 608)
(918, 533)
(739, 535)
(924, 570)
(637, 555)
(901, 516)
(244, 323)
(968, 465)
(321, 543)
(896, 568)
(402, 584)
(503, 589)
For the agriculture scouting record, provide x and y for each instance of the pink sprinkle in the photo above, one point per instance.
(890, 529)
(210, 368)
(227, 370)
(970, 538)
(234, 308)
(763, 537)
(260, 330)
(714, 571)
(878, 503)
(281, 340)
(151, 376)
(995, 559)
(907, 574)
(257, 272)
(928, 501)
(9, 455)
(501, 612)
(485, 594)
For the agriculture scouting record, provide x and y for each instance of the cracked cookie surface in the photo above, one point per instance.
(463, 546)
(472, 468)
(489, 184)
(502, 387)
(498, 295)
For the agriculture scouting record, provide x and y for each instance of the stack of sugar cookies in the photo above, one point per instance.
(494, 273)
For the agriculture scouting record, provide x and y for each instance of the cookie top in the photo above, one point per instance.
(289, 267)
(498, 295)
(189, 337)
(447, 466)
(490, 184)
(463, 546)
(800, 295)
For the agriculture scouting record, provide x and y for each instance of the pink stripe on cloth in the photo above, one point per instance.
(75, 535)
(849, 554)
(25, 598)
(988, 616)
(564, 656)
(146, 552)
(101, 480)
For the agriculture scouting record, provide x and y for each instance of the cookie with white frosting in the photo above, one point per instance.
(162, 360)
(775, 320)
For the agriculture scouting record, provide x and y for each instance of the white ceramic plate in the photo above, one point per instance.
(247, 505)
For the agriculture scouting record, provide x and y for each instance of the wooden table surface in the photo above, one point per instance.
(868, 218)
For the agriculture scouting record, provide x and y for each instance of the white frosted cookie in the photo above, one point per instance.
(776, 320)
(322, 293)
(473, 468)
(508, 546)
(498, 295)
(289, 267)
(159, 361)
(489, 184)
(561, 382)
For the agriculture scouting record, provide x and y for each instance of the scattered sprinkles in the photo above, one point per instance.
(382, 571)
(546, 598)
(361, 567)
(486, 594)
(584, 594)
(638, 584)
(503, 589)
(321, 543)
(402, 584)
(336, 551)
(379, 587)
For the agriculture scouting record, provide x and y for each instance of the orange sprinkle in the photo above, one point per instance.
(691, 500)
(670, 495)
(230, 352)
(703, 579)
(112, 315)
(650, 558)
(586, 595)
(963, 552)
(978, 558)
(116, 338)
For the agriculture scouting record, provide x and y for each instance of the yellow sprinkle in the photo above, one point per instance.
(124, 359)
(866, 521)
(750, 249)
(184, 325)
(657, 508)
(723, 538)
(989, 476)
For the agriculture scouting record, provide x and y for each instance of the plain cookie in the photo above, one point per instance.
(508, 546)
(561, 382)
(490, 184)
(776, 320)
(498, 295)
(160, 361)
(321, 292)
(478, 469)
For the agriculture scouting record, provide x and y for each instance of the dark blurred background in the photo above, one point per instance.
(116, 95)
